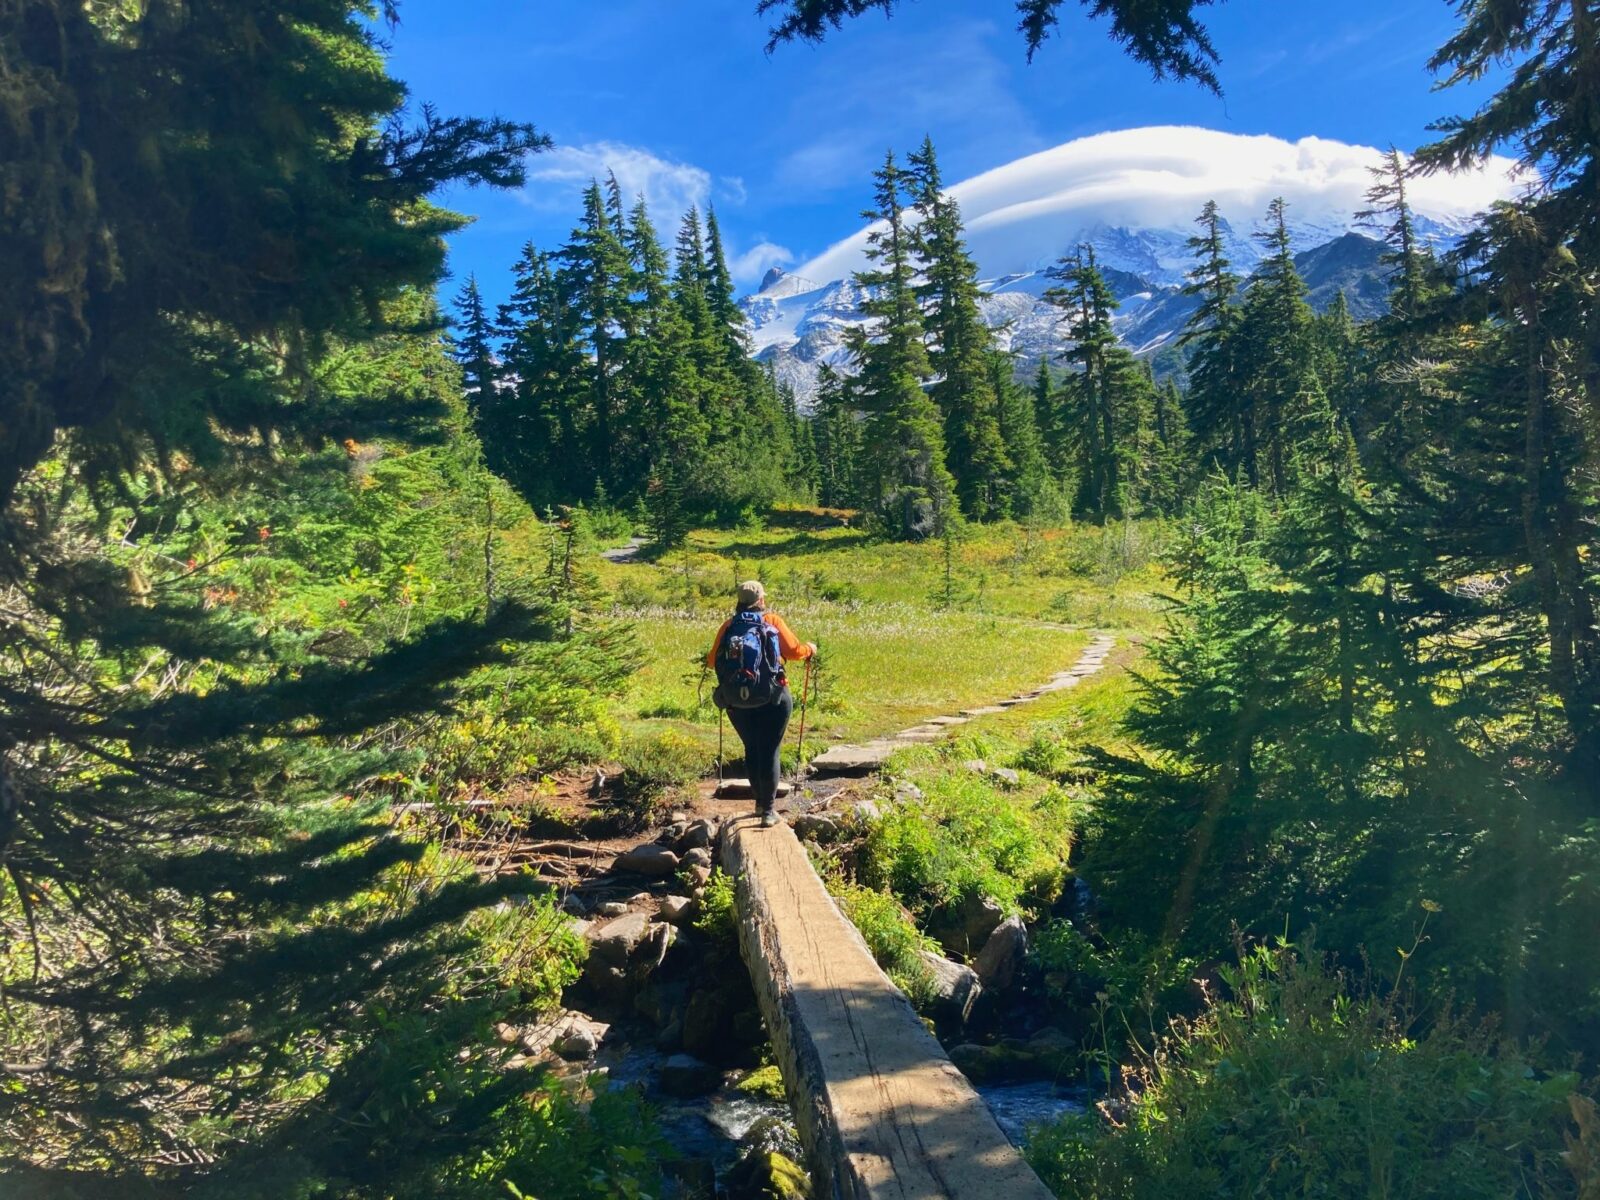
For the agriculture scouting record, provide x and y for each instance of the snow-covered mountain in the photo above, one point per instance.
(1133, 196)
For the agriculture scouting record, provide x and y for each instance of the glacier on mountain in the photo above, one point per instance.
(1133, 196)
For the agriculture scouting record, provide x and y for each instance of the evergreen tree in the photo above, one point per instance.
(959, 343)
(1276, 360)
(210, 317)
(473, 348)
(1031, 489)
(1102, 394)
(1220, 418)
(595, 278)
(837, 436)
(903, 459)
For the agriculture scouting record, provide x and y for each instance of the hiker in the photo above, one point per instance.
(748, 654)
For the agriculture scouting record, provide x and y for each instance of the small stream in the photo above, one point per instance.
(709, 1127)
(706, 1127)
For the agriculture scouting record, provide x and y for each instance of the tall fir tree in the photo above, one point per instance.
(958, 343)
(1221, 421)
(595, 277)
(908, 484)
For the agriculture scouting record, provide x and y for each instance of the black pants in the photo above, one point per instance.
(761, 730)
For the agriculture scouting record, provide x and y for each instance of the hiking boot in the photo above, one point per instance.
(769, 818)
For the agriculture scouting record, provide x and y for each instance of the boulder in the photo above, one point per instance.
(577, 1042)
(573, 903)
(1002, 954)
(683, 1076)
(768, 1175)
(773, 1133)
(905, 790)
(652, 951)
(865, 812)
(613, 943)
(698, 835)
(955, 988)
(610, 908)
(964, 927)
(700, 856)
(650, 859)
(672, 834)
(819, 827)
(675, 910)
(698, 876)
(1007, 776)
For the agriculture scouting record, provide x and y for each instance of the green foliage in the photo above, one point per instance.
(964, 838)
(1301, 1085)
(891, 935)
(551, 1146)
(765, 1083)
(654, 770)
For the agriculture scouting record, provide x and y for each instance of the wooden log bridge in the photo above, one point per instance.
(882, 1112)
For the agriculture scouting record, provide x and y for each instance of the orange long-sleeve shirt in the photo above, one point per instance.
(791, 647)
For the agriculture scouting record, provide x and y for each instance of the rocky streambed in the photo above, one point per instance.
(666, 1006)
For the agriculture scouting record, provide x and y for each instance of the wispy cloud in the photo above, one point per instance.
(558, 176)
(750, 266)
(949, 83)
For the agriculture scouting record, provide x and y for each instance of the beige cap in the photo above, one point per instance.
(752, 594)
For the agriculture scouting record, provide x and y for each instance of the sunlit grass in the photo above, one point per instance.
(904, 633)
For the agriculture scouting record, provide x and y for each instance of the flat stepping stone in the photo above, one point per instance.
(853, 760)
(737, 789)
(946, 721)
(988, 710)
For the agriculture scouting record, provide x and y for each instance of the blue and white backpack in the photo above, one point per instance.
(749, 663)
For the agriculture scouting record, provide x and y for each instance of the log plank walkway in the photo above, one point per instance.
(882, 1112)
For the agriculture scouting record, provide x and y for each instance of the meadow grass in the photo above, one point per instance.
(906, 630)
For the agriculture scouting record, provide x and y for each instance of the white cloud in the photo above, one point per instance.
(1025, 214)
(750, 266)
(557, 176)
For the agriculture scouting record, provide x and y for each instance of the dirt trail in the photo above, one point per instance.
(867, 757)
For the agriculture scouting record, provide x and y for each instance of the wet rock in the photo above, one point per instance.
(955, 988)
(765, 1082)
(773, 1134)
(1001, 955)
(768, 1175)
(670, 1036)
(698, 857)
(683, 1076)
(964, 927)
(1016, 1061)
(698, 835)
(675, 910)
(650, 859)
(819, 827)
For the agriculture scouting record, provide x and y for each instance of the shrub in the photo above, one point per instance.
(652, 770)
(963, 837)
(890, 934)
(1302, 1085)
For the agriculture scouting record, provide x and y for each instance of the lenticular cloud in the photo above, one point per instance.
(1022, 215)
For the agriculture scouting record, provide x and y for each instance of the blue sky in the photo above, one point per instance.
(679, 96)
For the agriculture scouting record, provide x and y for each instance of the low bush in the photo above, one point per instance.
(890, 934)
(1301, 1084)
(965, 837)
(653, 770)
